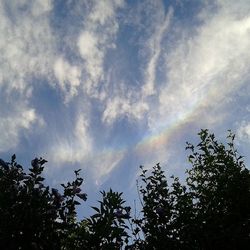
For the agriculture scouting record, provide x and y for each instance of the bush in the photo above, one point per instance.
(33, 216)
(210, 210)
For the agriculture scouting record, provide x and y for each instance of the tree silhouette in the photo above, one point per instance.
(209, 210)
(33, 216)
(220, 186)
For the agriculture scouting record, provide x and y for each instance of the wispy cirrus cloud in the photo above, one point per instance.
(108, 66)
(26, 43)
(104, 164)
(68, 77)
(243, 131)
(75, 147)
(96, 38)
(87, 80)
(155, 47)
(125, 102)
(127, 99)
(26, 48)
(208, 64)
(22, 118)
(205, 66)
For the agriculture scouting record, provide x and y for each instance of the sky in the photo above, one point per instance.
(107, 86)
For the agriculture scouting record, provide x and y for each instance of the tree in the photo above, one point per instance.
(33, 216)
(157, 206)
(220, 186)
(107, 228)
(210, 211)
(167, 212)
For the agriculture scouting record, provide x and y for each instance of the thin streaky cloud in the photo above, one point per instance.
(107, 85)
(155, 47)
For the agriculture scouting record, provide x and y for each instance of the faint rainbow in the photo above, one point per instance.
(162, 134)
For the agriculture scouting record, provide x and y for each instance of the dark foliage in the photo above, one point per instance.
(219, 184)
(33, 216)
(107, 228)
(210, 210)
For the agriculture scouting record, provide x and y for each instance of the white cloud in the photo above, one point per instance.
(123, 107)
(26, 48)
(207, 65)
(243, 132)
(155, 46)
(26, 43)
(68, 77)
(203, 68)
(76, 148)
(15, 123)
(40, 6)
(89, 49)
(131, 101)
(80, 148)
(104, 10)
(95, 40)
(88, 44)
(104, 163)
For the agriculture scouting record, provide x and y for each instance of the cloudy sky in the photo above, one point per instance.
(109, 85)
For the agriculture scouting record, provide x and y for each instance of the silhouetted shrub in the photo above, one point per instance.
(210, 210)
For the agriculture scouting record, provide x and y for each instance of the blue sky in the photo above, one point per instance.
(109, 85)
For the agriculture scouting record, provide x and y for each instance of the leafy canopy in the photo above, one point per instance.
(209, 210)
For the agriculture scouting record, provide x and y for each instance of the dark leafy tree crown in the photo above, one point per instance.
(210, 210)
